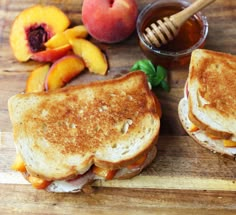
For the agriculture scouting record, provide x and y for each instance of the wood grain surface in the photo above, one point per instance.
(184, 178)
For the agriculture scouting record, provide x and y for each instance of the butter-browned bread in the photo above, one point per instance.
(212, 91)
(210, 94)
(200, 136)
(110, 124)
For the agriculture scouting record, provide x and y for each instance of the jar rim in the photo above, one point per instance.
(153, 49)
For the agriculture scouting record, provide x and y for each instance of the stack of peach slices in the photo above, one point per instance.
(64, 52)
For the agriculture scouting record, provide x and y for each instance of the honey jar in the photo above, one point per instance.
(175, 53)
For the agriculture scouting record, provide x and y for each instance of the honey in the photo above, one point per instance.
(176, 52)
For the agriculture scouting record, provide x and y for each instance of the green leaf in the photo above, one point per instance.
(135, 67)
(143, 65)
(161, 70)
(155, 75)
(151, 65)
(156, 81)
(160, 75)
(165, 86)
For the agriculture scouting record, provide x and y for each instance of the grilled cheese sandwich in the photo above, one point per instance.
(209, 103)
(80, 133)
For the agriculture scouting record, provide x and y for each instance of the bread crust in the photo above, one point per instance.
(124, 163)
(212, 92)
(62, 133)
(216, 146)
(89, 177)
(151, 156)
(205, 127)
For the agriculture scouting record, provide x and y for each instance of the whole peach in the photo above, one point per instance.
(109, 21)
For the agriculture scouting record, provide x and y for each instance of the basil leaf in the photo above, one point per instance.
(165, 86)
(146, 69)
(161, 70)
(155, 75)
(151, 65)
(144, 65)
(156, 80)
(135, 67)
(160, 75)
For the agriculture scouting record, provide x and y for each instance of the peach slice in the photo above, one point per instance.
(63, 70)
(62, 38)
(76, 32)
(138, 163)
(51, 55)
(18, 164)
(36, 79)
(38, 183)
(108, 174)
(33, 27)
(229, 143)
(57, 40)
(93, 57)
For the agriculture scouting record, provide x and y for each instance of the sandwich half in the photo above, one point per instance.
(71, 136)
(208, 109)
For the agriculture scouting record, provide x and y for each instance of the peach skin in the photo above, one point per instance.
(93, 57)
(33, 27)
(62, 38)
(51, 55)
(36, 79)
(63, 70)
(109, 21)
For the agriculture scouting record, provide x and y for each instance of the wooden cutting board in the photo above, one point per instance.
(180, 163)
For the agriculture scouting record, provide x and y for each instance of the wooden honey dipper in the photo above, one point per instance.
(162, 32)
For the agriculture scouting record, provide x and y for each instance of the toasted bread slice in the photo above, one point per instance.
(200, 136)
(126, 173)
(77, 185)
(61, 133)
(212, 92)
(208, 128)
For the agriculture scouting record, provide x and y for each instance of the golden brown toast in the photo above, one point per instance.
(200, 136)
(62, 133)
(212, 92)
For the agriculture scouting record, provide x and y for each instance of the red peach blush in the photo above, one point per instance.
(109, 21)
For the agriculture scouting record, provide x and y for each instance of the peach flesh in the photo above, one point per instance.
(35, 20)
(36, 79)
(37, 35)
(63, 70)
(63, 38)
(93, 57)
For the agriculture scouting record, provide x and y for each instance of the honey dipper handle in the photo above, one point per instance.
(179, 18)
